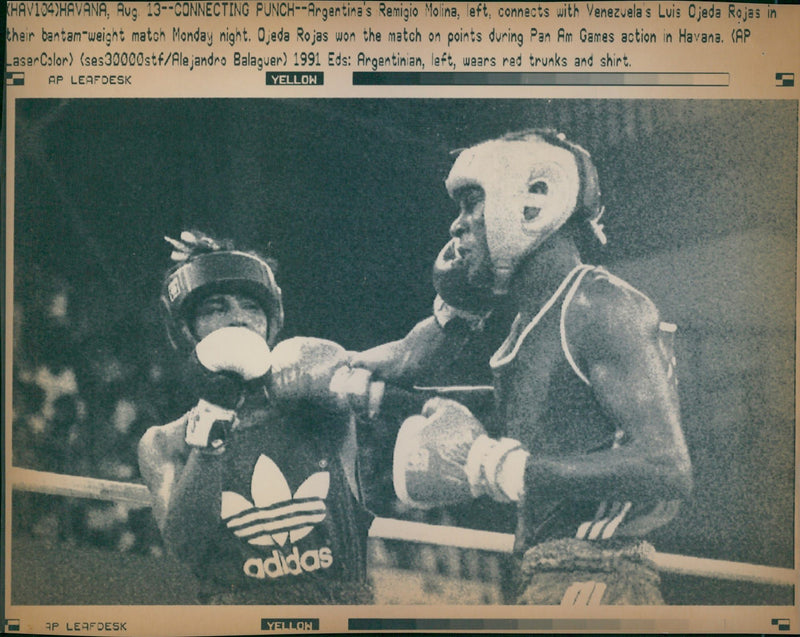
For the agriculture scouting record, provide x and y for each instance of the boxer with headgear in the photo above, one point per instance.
(585, 440)
(255, 488)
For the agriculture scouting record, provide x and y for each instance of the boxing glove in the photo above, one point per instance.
(236, 350)
(222, 363)
(444, 457)
(456, 296)
(315, 369)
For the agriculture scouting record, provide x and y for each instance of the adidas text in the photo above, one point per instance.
(292, 564)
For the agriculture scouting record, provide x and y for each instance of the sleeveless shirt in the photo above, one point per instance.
(546, 401)
(287, 528)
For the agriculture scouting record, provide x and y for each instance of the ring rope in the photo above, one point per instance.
(137, 495)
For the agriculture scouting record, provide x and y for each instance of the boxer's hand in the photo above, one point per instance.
(444, 456)
(237, 350)
(355, 388)
(303, 367)
(223, 362)
(306, 368)
(208, 427)
(431, 454)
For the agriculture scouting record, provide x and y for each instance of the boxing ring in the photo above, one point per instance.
(137, 495)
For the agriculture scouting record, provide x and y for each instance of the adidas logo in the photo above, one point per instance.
(276, 515)
(293, 564)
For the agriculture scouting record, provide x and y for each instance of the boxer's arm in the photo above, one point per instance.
(184, 483)
(458, 309)
(401, 361)
(194, 506)
(613, 333)
(168, 459)
(162, 453)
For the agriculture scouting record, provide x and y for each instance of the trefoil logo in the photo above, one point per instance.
(275, 515)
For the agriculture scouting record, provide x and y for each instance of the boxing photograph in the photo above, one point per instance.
(403, 351)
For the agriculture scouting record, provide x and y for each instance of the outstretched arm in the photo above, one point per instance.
(403, 360)
(458, 309)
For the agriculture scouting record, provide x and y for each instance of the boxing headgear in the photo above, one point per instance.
(533, 182)
(224, 271)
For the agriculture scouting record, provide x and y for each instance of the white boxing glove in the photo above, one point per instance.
(238, 350)
(315, 369)
(444, 457)
(303, 367)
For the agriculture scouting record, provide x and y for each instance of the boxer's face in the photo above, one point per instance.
(469, 231)
(220, 310)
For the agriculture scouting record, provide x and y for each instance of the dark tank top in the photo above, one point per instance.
(546, 401)
(289, 528)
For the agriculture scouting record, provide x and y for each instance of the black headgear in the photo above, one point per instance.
(207, 266)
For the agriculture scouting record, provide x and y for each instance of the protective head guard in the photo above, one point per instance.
(206, 266)
(533, 182)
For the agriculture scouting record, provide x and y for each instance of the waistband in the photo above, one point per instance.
(583, 555)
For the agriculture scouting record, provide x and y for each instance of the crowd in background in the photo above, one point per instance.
(80, 404)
